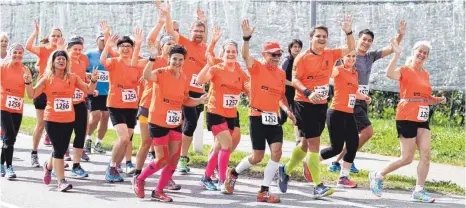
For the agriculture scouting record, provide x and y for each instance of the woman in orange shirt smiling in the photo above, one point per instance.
(412, 116)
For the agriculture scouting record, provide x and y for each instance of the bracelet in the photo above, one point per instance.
(93, 81)
(307, 92)
(151, 59)
(247, 38)
(27, 83)
(349, 33)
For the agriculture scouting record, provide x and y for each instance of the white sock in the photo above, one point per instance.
(269, 172)
(243, 165)
(98, 140)
(344, 172)
(89, 137)
(379, 176)
(418, 188)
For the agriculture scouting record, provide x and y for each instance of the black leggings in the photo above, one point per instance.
(80, 125)
(10, 123)
(60, 136)
(341, 129)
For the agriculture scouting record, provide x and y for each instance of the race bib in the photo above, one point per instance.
(363, 89)
(15, 103)
(173, 117)
(194, 83)
(322, 91)
(62, 105)
(351, 100)
(230, 101)
(78, 95)
(129, 95)
(269, 118)
(423, 113)
(103, 76)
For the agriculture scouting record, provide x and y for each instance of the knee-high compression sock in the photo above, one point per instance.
(296, 157)
(269, 172)
(223, 160)
(211, 164)
(313, 165)
(167, 173)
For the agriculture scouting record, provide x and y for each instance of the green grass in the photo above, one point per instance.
(447, 142)
(200, 160)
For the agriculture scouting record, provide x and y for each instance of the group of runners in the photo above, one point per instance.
(166, 92)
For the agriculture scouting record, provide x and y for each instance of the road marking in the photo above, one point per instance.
(7, 205)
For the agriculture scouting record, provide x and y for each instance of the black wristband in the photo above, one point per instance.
(349, 33)
(247, 38)
(307, 92)
(27, 83)
(93, 82)
(151, 59)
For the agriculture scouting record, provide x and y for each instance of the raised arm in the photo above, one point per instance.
(88, 88)
(216, 35)
(392, 72)
(106, 30)
(138, 37)
(33, 92)
(30, 42)
(108, 45)
(201, 17)
(347, 26)
(152, 37)
(205, 75)
(165, 9)
(401, 32)
(247, 35)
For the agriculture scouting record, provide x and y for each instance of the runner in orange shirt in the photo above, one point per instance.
(412, 118)
(195, 60)
(311, 76)
(14, 76)
(54, 38)
(122, 100)
(78, 67)
(170, 91)
(340, 121)
(226, 83)
(266, 97)
(59, 84)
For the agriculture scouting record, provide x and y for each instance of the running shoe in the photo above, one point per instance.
(306, 173)
(47, 174)
(79, 172)
(265, 196)
(171, 185)
(160, 196)
(230, 181)
(282, 179)
(35, 161)
(98, 148)
(110, 174)
(63, 185)
(10, 173)
(223, 189)
(354, 169)
(2, 170)
(88, 146)
(138, 186)
(208, 184)
(422, 196)
(67, 155)
(376, 185)
(119, 169)
(85, 157)
(321, 190)
(214, 175)
(130, 169)
(47, 141)
(345, 182)
(334, 168)
(182, 166)
(117, 177)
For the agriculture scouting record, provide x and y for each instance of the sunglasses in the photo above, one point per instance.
(275, 55)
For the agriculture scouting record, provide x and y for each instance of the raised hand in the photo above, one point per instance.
(104, 27)
(247, 29)
(346, 23)
(27, 75)
(95, 74)
(396, 47)
(201, 15)
(153, 49)
(61, 43)
(402, 28)
(164, 8)
(216, 33)
(138, 35)
(36, 27)
(112, 40)
(161, 17)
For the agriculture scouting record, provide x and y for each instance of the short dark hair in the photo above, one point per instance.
(74, 41)
(294, 41)
(318, 27)
(125, 39)
(366, 31)
(198, 23)
(177, 49)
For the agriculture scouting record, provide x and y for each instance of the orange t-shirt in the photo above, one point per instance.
(225, 89)
(168, 94)
(12, 87)
(123, 85)
(84, 59)
(267, 88)
(43, 57)
(194, 62)
(414, 84)
(147, 93)
(314, 71)
(79, 69)
(59, 98)
(345, 89)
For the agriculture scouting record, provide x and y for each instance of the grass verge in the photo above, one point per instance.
(200, 160)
